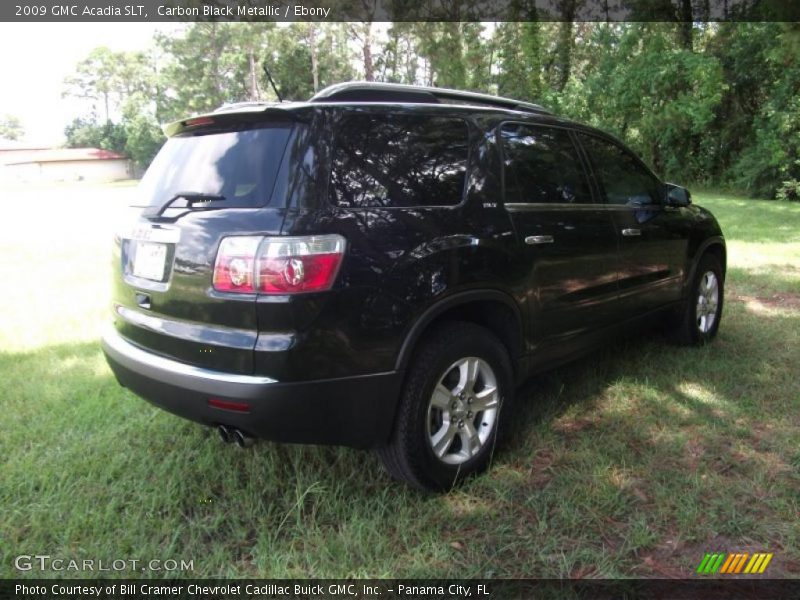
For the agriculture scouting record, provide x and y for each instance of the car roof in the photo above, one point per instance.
(388, 96)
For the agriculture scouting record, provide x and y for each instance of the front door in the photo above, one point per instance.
(567, 241)
(652, 245)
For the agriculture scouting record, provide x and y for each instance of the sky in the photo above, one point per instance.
(36, 57)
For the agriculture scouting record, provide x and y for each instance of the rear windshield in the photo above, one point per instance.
(239, 165)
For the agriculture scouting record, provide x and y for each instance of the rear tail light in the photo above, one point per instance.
(278, 265)
(234, 269)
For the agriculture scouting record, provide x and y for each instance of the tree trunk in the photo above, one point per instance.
(395, 58)
(312, 42)
(410, 67)
(215, 54)
(564, 53)
(686, 25)
(159, 92)
(255, 93)
(369, 72)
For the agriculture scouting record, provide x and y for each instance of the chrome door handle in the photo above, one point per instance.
(631, 232)
(533, 240)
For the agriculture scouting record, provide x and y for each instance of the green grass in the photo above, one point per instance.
(634, 461)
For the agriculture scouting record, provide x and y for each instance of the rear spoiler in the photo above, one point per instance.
(226, 120)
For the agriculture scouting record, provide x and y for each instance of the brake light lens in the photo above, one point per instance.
(299, 264)
(278, 265)
(199, 121)
(234, 269)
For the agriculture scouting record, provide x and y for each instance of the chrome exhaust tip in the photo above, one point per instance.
(243, 440)
(225, 434)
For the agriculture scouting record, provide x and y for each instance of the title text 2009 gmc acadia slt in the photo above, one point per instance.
(381, 266)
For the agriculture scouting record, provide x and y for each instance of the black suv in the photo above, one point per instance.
(381, 266)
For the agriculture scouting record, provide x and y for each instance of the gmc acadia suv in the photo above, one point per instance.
(381, 266)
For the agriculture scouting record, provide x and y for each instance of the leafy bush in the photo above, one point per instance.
(144, 139)
(790, 189)
(87, 133)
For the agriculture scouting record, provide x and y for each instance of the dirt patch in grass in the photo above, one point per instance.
(782, 301)
(541, 471)
(694, 452)
(569, 427)
(727, 460)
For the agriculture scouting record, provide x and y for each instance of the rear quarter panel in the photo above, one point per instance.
(399, 262)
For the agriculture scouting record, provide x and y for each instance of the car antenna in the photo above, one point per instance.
(271, 82)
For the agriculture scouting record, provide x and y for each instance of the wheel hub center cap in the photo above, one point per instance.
(462, 409)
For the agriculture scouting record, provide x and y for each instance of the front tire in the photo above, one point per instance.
(453, 405)
(699, 322)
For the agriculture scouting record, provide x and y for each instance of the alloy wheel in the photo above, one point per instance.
(462, 411)
(707, 301)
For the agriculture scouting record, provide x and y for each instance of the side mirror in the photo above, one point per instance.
(678, 196)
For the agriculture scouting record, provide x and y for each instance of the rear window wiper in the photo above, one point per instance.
(190, 197)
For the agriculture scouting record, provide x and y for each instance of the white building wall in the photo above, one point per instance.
(74, 170)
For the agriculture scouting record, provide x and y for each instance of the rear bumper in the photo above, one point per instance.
(352, 411)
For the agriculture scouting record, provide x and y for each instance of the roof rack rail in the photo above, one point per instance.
(366, 91)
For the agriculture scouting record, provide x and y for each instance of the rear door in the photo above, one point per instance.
(567, 241)
(652, 242)
(163, 298)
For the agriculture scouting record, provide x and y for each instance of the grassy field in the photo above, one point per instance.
(632, 462)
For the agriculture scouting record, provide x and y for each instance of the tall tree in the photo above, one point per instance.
(109, 78)
(519, 60)
(456, 54)
(399, 62)
(564, 44)
(362, 33)
(207, 68)
(126, 84)
(772, 161)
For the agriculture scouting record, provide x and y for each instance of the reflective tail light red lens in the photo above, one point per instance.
(242, 407)
(278, 265)
(235, 266)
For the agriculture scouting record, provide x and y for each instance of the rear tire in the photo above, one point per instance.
(698, 322)
(454, 403)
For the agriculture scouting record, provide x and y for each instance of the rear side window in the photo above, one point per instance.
(541, 166)
(393, 160)
(621, 177)
(239, 165)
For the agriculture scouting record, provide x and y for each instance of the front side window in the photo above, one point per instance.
(541, 166)
(621, 177)
(394, 160)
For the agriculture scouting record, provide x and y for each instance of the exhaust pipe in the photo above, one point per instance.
(242, 439)
(225, 434)
(231, 434)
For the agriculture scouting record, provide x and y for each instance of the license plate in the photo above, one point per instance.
(150, 260)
